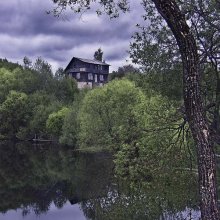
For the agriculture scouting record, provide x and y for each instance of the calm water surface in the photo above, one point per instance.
(48, 182)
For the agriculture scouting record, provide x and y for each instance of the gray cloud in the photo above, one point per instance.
(26, 30)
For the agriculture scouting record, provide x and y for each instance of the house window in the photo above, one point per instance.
(90, 76)
(99, 67)
(82, 69)
(101, 77)
(96, 78)
(78, 75)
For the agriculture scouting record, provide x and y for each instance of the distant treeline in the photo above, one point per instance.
(29, 94)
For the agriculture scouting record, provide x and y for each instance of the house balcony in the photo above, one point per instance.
(88, 70)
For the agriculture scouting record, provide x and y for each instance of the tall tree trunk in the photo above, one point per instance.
(194, 107)
(216, 119)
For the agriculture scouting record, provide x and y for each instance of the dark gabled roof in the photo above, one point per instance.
(87, 61)
(92, 61)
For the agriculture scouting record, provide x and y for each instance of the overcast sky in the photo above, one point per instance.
(26, 30)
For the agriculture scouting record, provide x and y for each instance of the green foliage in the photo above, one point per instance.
(112, 8)
(18, 80)
(111, 115)
(141, 128)
(154, 48)
(37, 124)
(159, 148)
(46, 94)
(168, 83)
(4, 63)
(66, 89)
(14, 114)
(70, 128)
(98, 55)
(45, 75)
(60, 73)
(6, 83)
(27, 62)
(55, 121)
(123, 71)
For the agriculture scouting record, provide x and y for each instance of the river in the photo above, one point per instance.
(50, 182)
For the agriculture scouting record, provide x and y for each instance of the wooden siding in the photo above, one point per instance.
(88, 70)
(76, 66)
(84, 77)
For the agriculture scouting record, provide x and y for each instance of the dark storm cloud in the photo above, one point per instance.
(26, 30)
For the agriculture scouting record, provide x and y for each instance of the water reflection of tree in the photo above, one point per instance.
(165, 198)
(32, 178)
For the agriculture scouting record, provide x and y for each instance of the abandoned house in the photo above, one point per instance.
(88, 73)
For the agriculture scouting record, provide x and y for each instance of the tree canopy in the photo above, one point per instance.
(28, 95)
(98, 55)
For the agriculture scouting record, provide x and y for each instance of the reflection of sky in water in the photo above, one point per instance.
(187, 214)
(191, 214)
(73, 212)
(68, 212)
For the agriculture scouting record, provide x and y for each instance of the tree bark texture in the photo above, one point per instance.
(194, 107)
(216, 119)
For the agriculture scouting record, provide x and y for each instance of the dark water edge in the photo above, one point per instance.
(47, 181)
